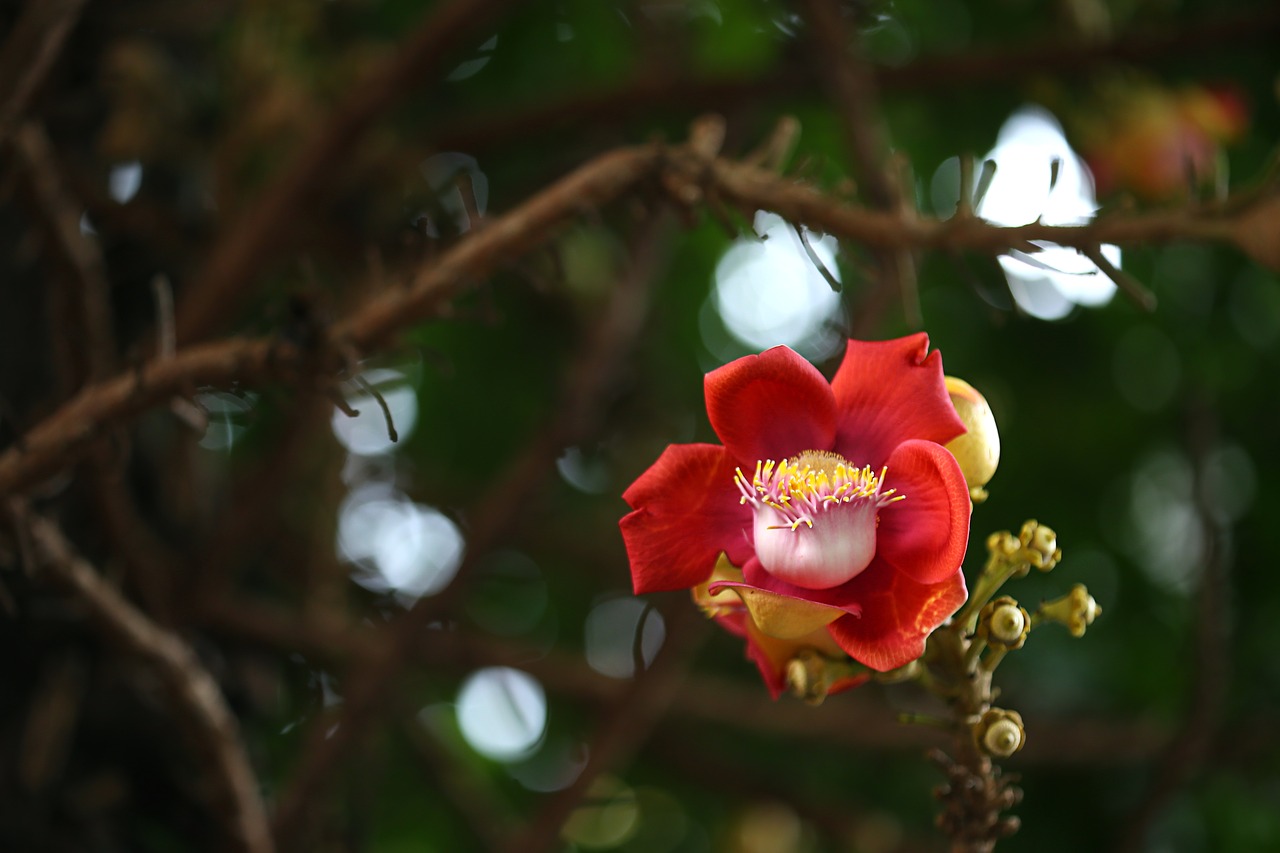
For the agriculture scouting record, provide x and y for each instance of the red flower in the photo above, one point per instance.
(842, 519)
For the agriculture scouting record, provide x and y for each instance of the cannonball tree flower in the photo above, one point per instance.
(831, 516)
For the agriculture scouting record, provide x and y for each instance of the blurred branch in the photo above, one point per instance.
(83, 337)
(854, 721)
(850, 79)
(213, 298)
(1191, 744)
(464, 788)
(589, 378)
(53, 444)
(214, 732)
(86, 307)
(753, 188)
(29, 52)
(626, 725)
(795, 76)
(688, 172)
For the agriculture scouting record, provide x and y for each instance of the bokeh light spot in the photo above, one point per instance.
(1039, 176)
(769, 292)
(366, 433)
(124, 181)
(502, 712)
(611, 631)
(397, 545)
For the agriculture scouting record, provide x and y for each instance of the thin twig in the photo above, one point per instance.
(382, 404)
(197, 697)
(1130, 286)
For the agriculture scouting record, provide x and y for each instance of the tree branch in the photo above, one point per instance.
(215, 734)
(688, 172)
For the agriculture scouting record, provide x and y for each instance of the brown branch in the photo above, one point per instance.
(55, 442)
(214, 297)
(797, 202)
(687, 171)
(29, 53)
(499, 241)
(196, 695)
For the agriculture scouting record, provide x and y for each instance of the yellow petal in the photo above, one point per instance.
(782, 617)
(779, 652)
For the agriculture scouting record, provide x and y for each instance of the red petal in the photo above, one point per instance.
(924, 536)
(898, 614)
(887, 392)
(687, 511)
(771, 406)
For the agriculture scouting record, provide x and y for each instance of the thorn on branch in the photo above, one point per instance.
(827, 275)
(382, 403)
(1134, 289)
(777, 149)
(343, 406)
(985, 178)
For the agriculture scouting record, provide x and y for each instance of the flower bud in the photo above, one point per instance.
(1040, 545)
(978, 450)
(813, 676)
(1076, 610)
(1000, 733)
(1004, 624)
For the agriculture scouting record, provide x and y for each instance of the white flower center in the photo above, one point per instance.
(815, 517)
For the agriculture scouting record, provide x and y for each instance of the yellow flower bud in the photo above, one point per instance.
(1000, 733)
(978, 450)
